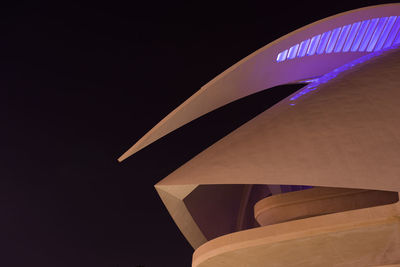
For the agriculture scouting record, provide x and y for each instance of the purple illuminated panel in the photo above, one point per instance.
(313, 45)
(392, 33)
(397, 40)
(377, 33)
(323, 42)
(352, 35)
(385, 33)
(342, 38)
(293, 51)
(360, 35)
(314, 85)
(363, 36)
(368, 35)
(303, 48)
(332, 40)
(282, 56)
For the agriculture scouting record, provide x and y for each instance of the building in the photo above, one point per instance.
(314, 180)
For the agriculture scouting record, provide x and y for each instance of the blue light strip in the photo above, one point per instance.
(377, 33)
(315, 83)
(293, 51)
(397, 40)
(352, 35)
(385, 33)
(368, 35)
(392, 33)
(323, 42)
(281, 56)
(342, 38)
(313, 45)
(332, 40)
(303, 48)
(362, 36)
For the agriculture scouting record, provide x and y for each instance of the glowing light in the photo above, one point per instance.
(397, 40)
(362, 36)
(281, 56)
(329, 76)
(293, 51)
(303, 48)
(323, 42)
(392, 33)
(368, 35)
(385, 33)
(342, 38)
(332, 40)
(377, 33)
(352, 35)
(313, 45)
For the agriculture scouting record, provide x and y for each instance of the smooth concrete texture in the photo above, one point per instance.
(317, 201)
(205, 212)
(364, 237)
(343, 134)
(216, 214)
(172, 198)
(346, 133)
(260, 71)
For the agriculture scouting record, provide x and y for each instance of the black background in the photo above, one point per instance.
(80, 83)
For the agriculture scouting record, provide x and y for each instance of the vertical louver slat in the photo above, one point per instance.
(377, 33)
(282, 56)
(313, 45)
(293, 51)
(303, 48)
(352, 35)
(392, 33)
(385, 33)
(368, 35)
(397, 40)
(360, 35)
(323, 42)
(332, 40)
(342, 38)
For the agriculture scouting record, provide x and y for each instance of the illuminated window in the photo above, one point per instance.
(362, 36)
(281, 56)
(303, 48)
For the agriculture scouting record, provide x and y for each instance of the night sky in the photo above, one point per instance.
(80, 83)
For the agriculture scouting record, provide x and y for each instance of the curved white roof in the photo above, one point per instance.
(260, 70)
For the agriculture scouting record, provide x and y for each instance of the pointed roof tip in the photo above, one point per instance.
(139, 145)
(126, 155)
(129, 152)
(132, 150)
(122, 158)
(229, 85)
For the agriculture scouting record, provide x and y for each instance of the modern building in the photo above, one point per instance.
(312, 181)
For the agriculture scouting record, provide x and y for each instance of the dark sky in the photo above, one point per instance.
(80, 83)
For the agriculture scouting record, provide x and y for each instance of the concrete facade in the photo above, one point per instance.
(246, 200)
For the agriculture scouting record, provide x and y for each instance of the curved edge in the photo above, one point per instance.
(294, 230)
(317, 201)
(254, 73)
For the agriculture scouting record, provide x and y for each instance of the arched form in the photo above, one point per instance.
(341, 132)
(260, 71)
(373, 35)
